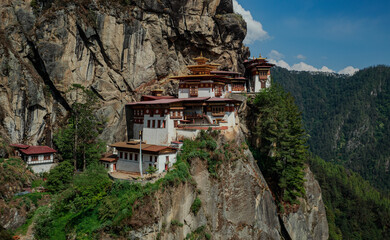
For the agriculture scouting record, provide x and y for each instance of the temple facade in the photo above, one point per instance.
(258, 73)
(162, 122)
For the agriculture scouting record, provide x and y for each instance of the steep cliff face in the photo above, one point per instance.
(306, 220)
(235, 205)
(113, 47)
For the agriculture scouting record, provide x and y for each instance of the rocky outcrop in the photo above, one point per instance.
(111, 47)
(236, 205)
(309, 221)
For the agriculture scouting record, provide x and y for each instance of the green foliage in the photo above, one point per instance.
(195, 207)
(282, 151)
(93, 202)
(60, 177)
(198, 234)
(175, 222)
(347, 117)
(355, 210)
(78, 140)
(151, 170)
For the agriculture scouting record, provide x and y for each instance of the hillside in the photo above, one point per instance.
(347, 118)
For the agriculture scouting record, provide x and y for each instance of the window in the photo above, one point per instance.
(150, 159)
(34, 158)
(193, 91)
(262, 84)
(218, 111)
(218, 91)
(155, 159)
(159, 124)
(153, 123)
(176, 123)
(131, 156)
(46, 157)
(136, 157)
(163, 124)
(167, 159)
(121, 154)
(125, 155)
(148, 123)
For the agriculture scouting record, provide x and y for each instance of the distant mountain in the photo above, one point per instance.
(347, 117)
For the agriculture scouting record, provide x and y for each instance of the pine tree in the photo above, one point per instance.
(282, 147)
(78, 140)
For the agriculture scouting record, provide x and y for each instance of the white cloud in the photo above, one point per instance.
(349, 70)
(255, 28)
(301, 57)
(275, 55)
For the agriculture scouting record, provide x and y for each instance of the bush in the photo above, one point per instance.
(195, 207)
(60, 177)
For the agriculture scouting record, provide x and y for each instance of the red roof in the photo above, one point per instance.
(224, 72)
(17, 145)
(167, 101)
(215, 99)
(151, 97)
(35, 150)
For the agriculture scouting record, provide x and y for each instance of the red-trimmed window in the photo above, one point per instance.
(34, 158)
(46, 157)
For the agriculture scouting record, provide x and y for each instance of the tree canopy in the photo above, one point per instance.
(78, 140)
(282, 152)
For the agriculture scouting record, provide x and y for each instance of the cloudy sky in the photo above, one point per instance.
(330, 36)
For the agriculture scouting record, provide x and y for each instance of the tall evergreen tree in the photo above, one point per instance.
(78, 140)
(282, 150)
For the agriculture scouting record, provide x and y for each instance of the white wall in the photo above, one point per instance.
(257, 83)
(184, 92)
(133, 166)
(191, 134)
(40, 168)
(162, 160)
(40, 160)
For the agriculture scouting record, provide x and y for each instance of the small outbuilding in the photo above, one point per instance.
(39, 158)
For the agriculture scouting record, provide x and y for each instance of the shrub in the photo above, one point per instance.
(175, 222)
(195, 207)
(60, 177)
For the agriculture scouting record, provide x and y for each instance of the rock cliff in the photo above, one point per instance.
(112, 47)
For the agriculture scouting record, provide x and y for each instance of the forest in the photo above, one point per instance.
(347, 118)
(348, 126)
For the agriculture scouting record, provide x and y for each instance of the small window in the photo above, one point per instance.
(148, 123)
(153, 123)
(136, 157)
(150, 159)
(34, 158)
(121, 154)
(130, 156)
(125, 155)
(159, 124)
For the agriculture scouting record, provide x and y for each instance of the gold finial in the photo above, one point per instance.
(259, 55)
(201, 53)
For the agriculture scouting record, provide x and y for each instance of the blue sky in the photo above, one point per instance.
(311, 34)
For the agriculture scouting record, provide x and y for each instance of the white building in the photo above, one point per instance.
(160, 157)
(39, 158)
